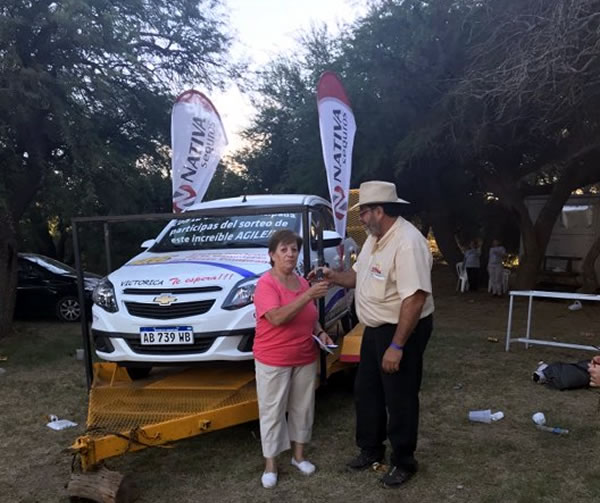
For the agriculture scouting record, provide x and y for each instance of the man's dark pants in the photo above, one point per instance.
(387, 405)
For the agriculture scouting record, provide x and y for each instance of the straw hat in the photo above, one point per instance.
(377, 192)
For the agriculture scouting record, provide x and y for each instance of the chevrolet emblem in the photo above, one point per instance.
(164, 299)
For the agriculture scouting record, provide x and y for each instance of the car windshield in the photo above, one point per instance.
(50, 264)
(217, 232)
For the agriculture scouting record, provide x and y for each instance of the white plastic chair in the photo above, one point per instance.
(462, 284)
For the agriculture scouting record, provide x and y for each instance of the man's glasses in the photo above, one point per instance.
(363, 211)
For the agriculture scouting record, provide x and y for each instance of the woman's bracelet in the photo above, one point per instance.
(321, 332)
(396, 346)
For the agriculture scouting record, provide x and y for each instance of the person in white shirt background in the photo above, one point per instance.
(495, 267)
(472, 264)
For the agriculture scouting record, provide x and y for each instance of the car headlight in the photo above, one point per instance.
(241, 295)
(104, 296)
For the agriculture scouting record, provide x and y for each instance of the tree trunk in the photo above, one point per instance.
(529, 261)
(102, 486)
(425, 223)
(62, 241)
(588, 269)
(440, 218)
(23, 185)
(445, 237)
(8, 272)
(576, 175)
(581, 170)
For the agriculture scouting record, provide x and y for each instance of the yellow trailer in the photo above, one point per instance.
(172, 404)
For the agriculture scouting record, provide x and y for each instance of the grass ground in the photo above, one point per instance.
(508, 461)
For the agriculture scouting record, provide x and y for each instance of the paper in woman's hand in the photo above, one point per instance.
(324, 347)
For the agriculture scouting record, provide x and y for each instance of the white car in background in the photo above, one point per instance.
(188, 296)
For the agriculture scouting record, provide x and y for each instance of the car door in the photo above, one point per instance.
(33, 292)
(336, 302)
(333, 256)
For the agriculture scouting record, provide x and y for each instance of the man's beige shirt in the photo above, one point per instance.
(390, 270)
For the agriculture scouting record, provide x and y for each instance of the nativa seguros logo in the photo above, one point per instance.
(184, 196)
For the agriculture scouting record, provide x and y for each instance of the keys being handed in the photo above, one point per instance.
(320, 273)
(318, 290)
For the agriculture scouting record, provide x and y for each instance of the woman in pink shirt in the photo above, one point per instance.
(285, 355)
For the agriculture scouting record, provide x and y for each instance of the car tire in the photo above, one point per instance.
(136, 373)
(68, 309)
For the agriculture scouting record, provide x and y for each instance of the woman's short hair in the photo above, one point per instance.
(284, 236)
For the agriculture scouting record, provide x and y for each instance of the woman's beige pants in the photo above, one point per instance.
(281, 390)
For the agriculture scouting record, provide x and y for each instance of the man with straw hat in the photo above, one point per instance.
(394, 302)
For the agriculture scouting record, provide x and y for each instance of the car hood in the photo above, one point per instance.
(86, 275)
(190, 268)
(90, 280)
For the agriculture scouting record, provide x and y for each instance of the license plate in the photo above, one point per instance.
(154, 336)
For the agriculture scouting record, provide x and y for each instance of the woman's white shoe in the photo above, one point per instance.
(306, 467)
(269, 480)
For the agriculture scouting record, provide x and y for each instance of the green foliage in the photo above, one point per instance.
(85, 93)
(467, 105)
(87, 87)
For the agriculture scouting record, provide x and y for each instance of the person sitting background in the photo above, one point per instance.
(495, 267)
(285, 355)
(472, 264)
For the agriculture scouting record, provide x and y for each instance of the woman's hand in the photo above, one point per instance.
(318, 290)
(324, 338)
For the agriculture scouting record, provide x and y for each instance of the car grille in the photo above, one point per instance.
(179, 310)
(201, 345)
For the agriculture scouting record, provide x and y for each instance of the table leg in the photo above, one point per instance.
(529, 321)
(508, 328)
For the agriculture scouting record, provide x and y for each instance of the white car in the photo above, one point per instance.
(188, 296)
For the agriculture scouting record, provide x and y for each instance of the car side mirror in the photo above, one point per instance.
(331, 239)
(147, 244)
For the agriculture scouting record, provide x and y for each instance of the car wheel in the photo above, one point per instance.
(68, 309)
(136, 373)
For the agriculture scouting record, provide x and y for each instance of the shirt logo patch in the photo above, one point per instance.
(376, 271)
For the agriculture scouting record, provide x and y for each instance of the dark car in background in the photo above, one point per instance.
(48, 287)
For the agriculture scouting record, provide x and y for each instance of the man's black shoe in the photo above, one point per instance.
(396, 477)
(364, 460)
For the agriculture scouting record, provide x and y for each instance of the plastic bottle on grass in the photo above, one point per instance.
(552, 429)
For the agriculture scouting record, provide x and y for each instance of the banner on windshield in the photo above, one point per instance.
(337, 126)
(197, 140)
